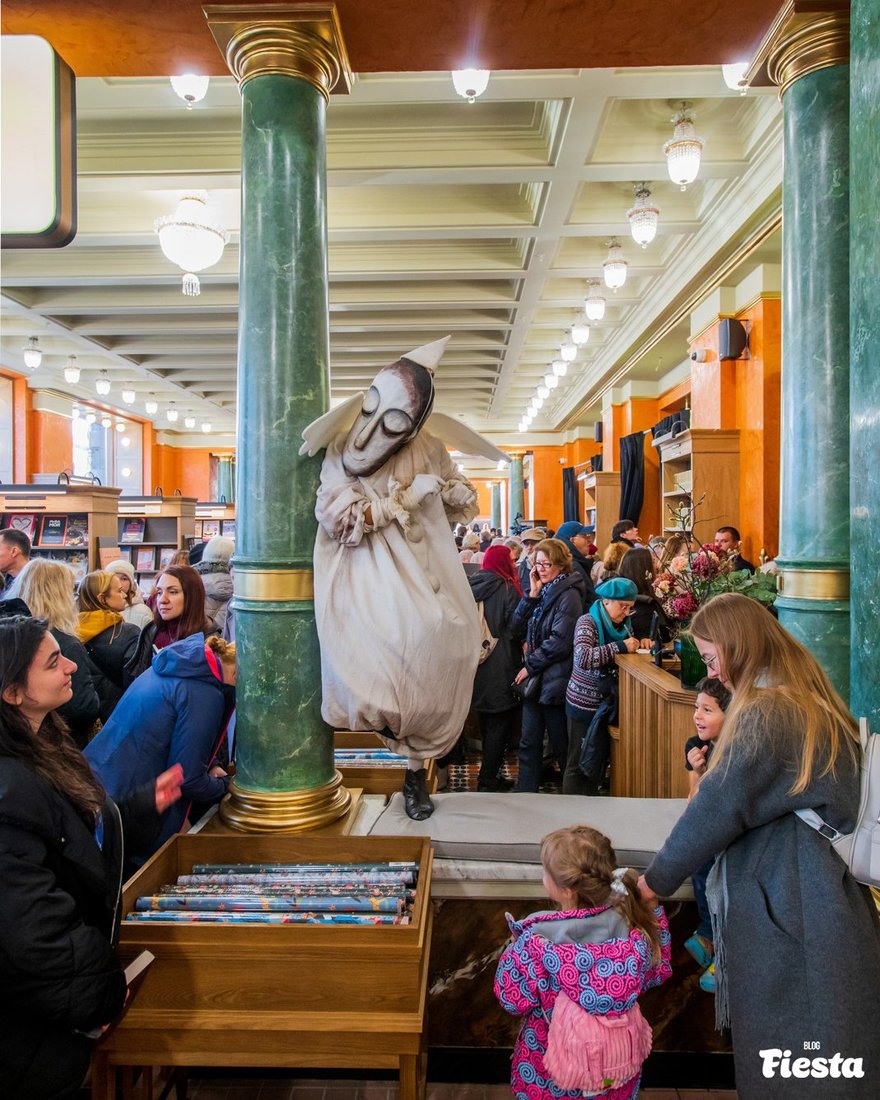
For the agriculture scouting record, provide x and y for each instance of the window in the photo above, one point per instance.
(115, 457)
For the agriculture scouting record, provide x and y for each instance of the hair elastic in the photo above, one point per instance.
(618, 886)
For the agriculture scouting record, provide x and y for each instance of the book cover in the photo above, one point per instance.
(133, 529)
(78, 530)
(198, 528)
(145, 561)
(106, 554)
(166, 553)
(227, 527)
(53, 531)
(125, 553)
(26, 522)
(210, 527)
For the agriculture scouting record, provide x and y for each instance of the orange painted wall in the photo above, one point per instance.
(484, 498)
(612, 430)
(184, 468)
(50, 443)
(757, 403)
(546, 485)
(713, 385)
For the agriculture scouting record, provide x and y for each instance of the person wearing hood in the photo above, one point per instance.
(497, 587)
(547, 617)
(577, 538)
(110, 641)
(216, 576)
(599, 636)
(174, 713)
(136, 610)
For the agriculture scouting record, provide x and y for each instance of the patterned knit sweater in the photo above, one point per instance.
(590, 661)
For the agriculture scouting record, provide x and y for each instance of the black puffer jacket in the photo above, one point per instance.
(85, 705)
(58, 920)
(492, 690)
(111, 651)
(550, 633)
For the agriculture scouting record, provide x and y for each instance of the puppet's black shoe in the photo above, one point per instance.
(415, 795)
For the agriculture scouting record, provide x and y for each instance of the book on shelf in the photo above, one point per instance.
(198, 529)
(53, 531)
(133, 529)
(108, 551)
(166, 553)
(77, 530)
(210, 528)
(125, 553)
(145, 560)
(76, 561)
(26, 522)
(227, 528)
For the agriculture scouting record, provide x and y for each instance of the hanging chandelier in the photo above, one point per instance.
(684, 149)
(568, 350)
(470, 83)
(594, 303)
(191, 239)
(559, 367)
(71, 370)
(191, 87)
(32, 353)
(580, 332)
(643, 216)
(615, 266)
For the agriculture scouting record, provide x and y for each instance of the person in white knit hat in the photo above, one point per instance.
(136, 610)
(216, 574)
(397, 623)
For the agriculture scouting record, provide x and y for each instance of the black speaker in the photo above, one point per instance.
(597, 431)
(732, 338)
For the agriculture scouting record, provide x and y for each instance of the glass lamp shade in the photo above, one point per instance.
(523, 426)
(735, 76)
(32, 353)
(189, 422)
(580, 333)
(106, 422)
(102, 384)
(469, 83)
(71, 371)
(683, 151)
(643, 218)
(560, 367)
(537, 402)
(551, 381)
(614, 267)
(206, 427)
(543, 392)
(90, 418)
(191, 239)
(190, 87)
(568, 350)
(151, 407)
(171, 414)
(128, 396)
(594, 303)
(120, 427)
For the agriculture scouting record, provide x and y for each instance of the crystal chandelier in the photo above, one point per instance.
(470, 83)
(684, 148)
(171, 413)
(580, 332)
(206, 426)
(559, 367)
(594, 303)
(151, 405)
(615, 266)
(190, 87)
(102, 384)
(643, 216)
(128, 396)
(189, 422)
(71, 370)
(191, 239)
(568, 351)
(32, 353)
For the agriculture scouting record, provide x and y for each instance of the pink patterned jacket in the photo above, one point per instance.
(591, 954)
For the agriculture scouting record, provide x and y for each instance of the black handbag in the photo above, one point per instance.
(529, 690)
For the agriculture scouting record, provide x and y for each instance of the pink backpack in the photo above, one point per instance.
(595, 1053)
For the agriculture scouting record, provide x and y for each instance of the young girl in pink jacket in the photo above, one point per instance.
(601, 948)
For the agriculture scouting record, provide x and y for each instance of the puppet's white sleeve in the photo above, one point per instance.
(458, 494)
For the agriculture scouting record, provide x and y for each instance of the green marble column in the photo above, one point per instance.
(496, 505)
(865, 358)
(286, 64)
(517, 496)
(814, 508)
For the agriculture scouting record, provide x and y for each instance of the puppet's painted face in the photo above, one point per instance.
(394, 408)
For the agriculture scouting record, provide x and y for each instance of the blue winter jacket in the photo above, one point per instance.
(172, 714)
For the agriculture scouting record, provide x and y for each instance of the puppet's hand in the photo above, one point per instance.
(458, 495)
(425, 485)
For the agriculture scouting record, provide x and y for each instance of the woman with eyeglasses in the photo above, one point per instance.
(547, 617)
(592, 689)
(797, 939)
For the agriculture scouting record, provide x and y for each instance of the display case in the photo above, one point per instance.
(275, 995)
(701, 465)
(601, 503)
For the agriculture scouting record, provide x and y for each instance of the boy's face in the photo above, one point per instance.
(708, 717)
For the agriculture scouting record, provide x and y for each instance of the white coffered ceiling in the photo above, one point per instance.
(481, 220)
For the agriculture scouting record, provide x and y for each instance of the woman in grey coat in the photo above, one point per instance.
(214, 569)
(797, 938)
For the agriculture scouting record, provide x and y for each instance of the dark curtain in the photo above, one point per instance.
(632, 476)
(570, 506)
(596, 463)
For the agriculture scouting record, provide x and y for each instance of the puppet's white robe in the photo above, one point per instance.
(397, 622)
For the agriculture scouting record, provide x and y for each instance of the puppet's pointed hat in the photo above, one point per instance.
(428, 355)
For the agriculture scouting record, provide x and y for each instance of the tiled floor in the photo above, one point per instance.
(255, 1088)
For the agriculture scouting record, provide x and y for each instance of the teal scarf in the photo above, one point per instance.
(608, 632)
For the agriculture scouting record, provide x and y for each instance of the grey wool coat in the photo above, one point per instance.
(801, 939)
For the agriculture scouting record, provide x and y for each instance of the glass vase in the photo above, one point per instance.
(693, 667)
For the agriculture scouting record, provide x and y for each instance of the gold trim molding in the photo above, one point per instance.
(275, 584)
(813, 584)
(249, 811)
(807, 35)
(301, 40)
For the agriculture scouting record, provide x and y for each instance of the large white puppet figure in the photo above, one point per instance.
(397, 623)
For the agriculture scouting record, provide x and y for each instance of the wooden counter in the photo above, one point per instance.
(656, 718)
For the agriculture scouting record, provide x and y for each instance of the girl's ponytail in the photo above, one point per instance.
(636, 912)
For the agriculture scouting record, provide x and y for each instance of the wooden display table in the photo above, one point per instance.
(285, 996)
(656, 718)
(375, 780)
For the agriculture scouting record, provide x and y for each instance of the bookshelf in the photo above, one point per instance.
(214, 518)
(702, 463)
(71, 517)
(150, 529)
(601, 503)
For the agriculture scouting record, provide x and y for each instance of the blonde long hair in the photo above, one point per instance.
(47, 588)
(93, 588)
(778, 681)
(581, 860)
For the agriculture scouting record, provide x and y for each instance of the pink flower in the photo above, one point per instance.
(704, 563)
(683, 606)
